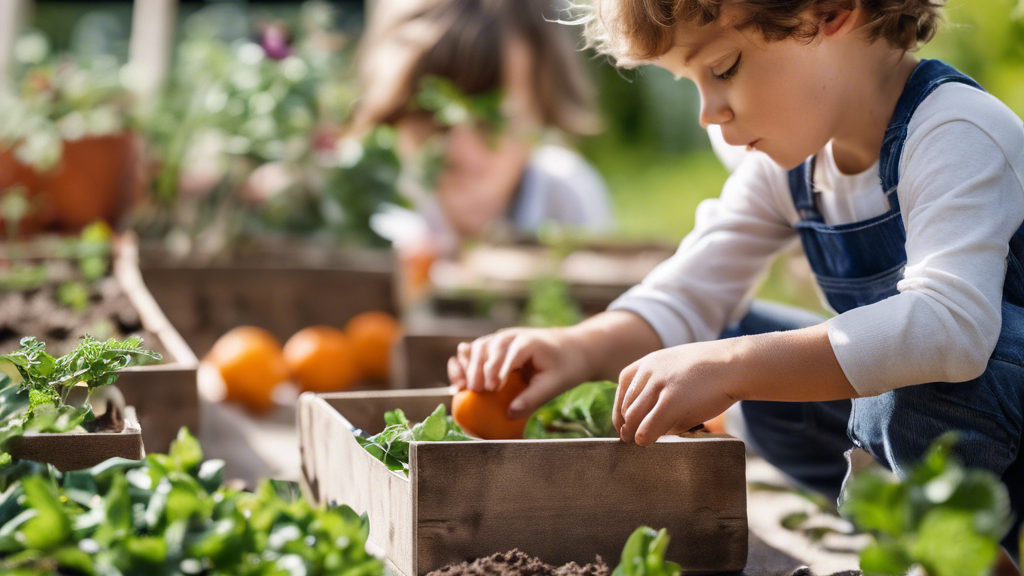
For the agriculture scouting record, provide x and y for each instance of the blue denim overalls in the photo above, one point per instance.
(859, 264)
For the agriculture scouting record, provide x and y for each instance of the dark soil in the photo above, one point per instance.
(110, 421)
(518, 563)
(37, 312)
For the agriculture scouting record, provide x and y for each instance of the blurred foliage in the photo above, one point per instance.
(943, 517)
(247, 135)
(54, 98)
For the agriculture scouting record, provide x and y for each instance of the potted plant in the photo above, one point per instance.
(42, 423)
(64, 136)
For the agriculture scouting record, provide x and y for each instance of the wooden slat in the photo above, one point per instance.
(338, 469)
(165, 395)
(560, 500)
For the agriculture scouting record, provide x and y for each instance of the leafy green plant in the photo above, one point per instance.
(54, 99)
(550, 304)
(453, 107)
(583, 412)
(391, 446)
(38, 402)
(943, 517)
(169, 515)
(644, 555)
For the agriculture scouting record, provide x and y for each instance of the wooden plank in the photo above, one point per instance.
(166, 395)
(560, 500)
(338, 469)
(287, 292)
(420, 357)
(572, 500)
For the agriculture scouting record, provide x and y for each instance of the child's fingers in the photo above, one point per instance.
(477, 357)
(456, 375)
(536, 394)
(625, 377)
(637, 410)
(496, 352)
(519, 351)
(640, 380)
(657, 422)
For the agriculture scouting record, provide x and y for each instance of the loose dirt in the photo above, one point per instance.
(518, 563)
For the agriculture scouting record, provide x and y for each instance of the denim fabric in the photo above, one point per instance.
(859, 264)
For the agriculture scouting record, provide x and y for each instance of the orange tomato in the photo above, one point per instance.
(485, 414)
(322, 359)
(372, 335)
(251, 362)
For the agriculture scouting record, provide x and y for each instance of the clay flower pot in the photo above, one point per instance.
(92, 181)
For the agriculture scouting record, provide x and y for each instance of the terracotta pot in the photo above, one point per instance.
(79, 451)
(93, 181)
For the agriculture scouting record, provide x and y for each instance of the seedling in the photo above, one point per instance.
(644, 555)
(39, 402)
(391, 446)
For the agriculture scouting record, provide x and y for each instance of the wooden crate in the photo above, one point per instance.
(281, 288)
(560, 500)
(67, 451)
(165, 395)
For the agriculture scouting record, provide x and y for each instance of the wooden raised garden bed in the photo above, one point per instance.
(281, 287)
(69, 451)
(558, 500)
(165, 395)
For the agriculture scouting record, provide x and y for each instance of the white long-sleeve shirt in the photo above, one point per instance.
(961, 192)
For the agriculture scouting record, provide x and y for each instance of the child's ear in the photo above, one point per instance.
(838, 22)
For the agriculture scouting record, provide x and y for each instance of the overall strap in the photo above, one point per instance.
(801, 186)
(929, 75)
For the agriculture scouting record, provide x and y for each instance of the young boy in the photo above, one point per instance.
(904, 182)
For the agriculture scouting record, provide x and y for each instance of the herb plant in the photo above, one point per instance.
(39, 401)
(170, 515)
(391, 446)
(943, 517)
(583, 412)
(644, 555)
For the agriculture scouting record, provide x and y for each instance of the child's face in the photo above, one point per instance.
(783, 98)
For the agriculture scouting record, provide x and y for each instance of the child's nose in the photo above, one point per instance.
(714, 111)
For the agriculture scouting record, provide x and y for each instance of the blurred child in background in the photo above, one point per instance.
(504, 172)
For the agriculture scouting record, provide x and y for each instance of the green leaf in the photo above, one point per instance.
(185, 451)
(148, 549)
(51, 526)
(886, 558)
(948, 545)
(582, 412)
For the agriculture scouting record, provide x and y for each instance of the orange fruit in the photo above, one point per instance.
(372, 335)
(485, 414)
(251, 362)
(322, 359)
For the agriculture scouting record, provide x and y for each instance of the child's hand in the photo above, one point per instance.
(671, 391)
(557, 356)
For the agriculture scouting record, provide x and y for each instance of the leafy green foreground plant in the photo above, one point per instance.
(391, 446)
(945, 518)
(583, 412)
(39, 402)
(644, 555)
(170, 515)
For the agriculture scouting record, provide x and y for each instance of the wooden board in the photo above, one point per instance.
(165, 395)
(281, 290)
(68, 451)
(420, 357)
(559, 500)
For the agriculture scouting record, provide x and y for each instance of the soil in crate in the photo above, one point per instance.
(518, 563)
(38, 312)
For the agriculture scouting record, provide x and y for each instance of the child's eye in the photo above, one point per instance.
(731, 71)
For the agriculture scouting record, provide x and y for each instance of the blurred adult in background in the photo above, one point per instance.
(518, 177)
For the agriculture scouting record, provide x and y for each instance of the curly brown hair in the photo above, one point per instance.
(637, 31)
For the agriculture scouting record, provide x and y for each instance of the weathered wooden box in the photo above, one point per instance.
(78, 451)
(283, 288)
(165, 395)
(560, 500)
